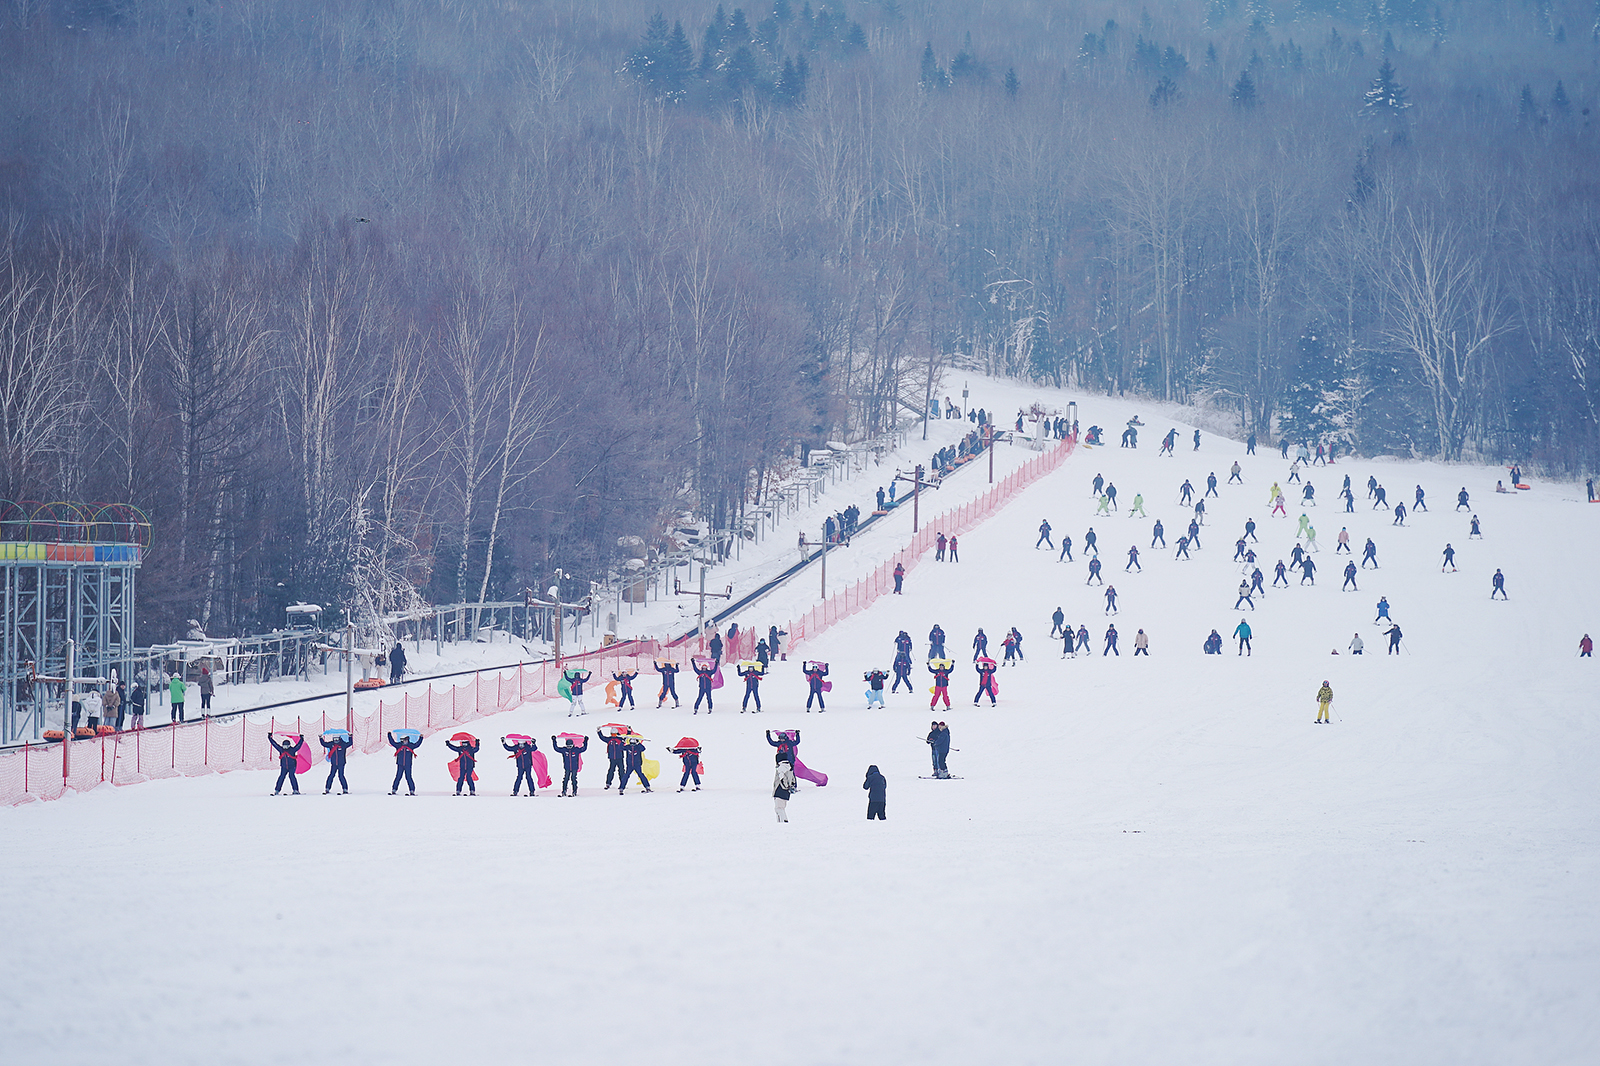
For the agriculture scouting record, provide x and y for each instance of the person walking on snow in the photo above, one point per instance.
(877, 788)
(752, 686)
(404, 753)
(939, 545)
(1499, 581)
(466, 759)
(288, 763)
(1242, 631)
(1044, 535)
(1324, 700)
(783, 786)
(955, 549)
(1244, 596)
(1449, 559)
(815, 672)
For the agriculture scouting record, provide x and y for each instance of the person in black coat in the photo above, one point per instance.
(705, 670)
(523, 751)
(466, 758)
(626, 678)
(571, 756)
(902, 672)
(404, 752)
(785, 745)
(752, 687)
(815, 672)
(397, 663)
(633, 763)
(337, 749)
(288, 761)
(669, 683)
(877, 795)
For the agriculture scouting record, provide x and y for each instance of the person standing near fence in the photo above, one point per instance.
(571, 761)
(625, 679)
(405, 752)
(288, 762)
(111, 702)
(208, 687)
(397, 663)
(175, 691)
(466, 759)
(522, 751)
(955, 554)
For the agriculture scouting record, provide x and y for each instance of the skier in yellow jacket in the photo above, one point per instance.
(1324, 699)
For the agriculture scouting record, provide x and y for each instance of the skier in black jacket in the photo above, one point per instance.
(626, 678)
(523, 752)
(404, 752)
(337, 749)
(288, 760)
(571, 756)
(815, 672)
(786, 746)
(691, 766)
(633, 756)
(752, 687)
(614, 754)
(669, 683)
(704, 670)
(902, 672)
(466, 759)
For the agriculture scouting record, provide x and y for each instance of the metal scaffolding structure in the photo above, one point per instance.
(67, 572)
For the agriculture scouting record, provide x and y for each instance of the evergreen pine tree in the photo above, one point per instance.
(1244, 91)
(1166, 92)
(932, 74)
(855, 39)
(1386, 99)
(1527, 108)
(1560, 106)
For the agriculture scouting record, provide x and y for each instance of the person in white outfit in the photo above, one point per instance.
(783, 786)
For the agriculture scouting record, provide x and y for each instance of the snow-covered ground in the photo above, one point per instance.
(1145, 860)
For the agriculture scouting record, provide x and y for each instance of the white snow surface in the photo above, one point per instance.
(1146, 860)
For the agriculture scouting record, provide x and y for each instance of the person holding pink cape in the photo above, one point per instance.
(788, 744)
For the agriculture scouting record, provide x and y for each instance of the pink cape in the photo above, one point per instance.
(455, 769)
(816, 777)
(716, 678)
(541, 769)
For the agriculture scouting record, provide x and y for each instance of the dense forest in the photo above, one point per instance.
(369, 301)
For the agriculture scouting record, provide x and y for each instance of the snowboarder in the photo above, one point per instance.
(404, 753)
(877, 788)
(691, 766)
(288, 763)
(1324, 699)
(1499, 581)
(522, 751)
(337, 748)
(669, 682)
(1044, 535)
(752, 686)
(815, 672)
(1242, 631)
(466, 758)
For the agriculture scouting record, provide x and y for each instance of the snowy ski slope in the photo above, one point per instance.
(1149, 860)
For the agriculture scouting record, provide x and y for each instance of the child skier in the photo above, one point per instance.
(874, 680)
(522, 751)
(986, 671)
(691, 766)
(571, 759)
(575, 681)
(288, 762)
(404, 752)
(752, 687)
(1324, 698)
(815, 672)
(466, 758)
(783, 786)
(705, 670)
(669, 683)
(626, 679)
(337, 749)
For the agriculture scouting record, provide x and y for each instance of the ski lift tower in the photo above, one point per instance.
(66, 574)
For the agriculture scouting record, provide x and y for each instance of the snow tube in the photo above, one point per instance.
(541, 769)
(801, 770)
(336, 734)
(370, 682)
(652, 769)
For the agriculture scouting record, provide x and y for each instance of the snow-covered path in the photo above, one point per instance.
(1147, 860)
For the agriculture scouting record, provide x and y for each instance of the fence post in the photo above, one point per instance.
(205, 744)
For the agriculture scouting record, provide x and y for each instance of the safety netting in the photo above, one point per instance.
(239, 742)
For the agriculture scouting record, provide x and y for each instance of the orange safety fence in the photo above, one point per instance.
(239, 742)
